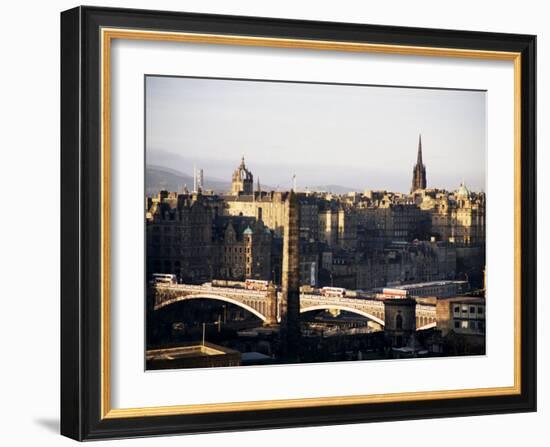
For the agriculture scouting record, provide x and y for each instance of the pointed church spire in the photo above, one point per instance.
(419, 170)
(419, 156)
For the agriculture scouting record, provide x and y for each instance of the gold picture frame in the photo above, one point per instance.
(108, 25)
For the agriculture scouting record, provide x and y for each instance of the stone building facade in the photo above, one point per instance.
(269, 207)
(338, 226)
(392, 219)
(244, 249)
(461, 314)
(456, 217)
(179, 236)
(186, 236)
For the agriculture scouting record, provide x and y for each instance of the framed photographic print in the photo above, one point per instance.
(277, 223)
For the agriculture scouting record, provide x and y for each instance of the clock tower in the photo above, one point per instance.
(242, 182)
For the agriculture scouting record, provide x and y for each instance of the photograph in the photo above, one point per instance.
(299, 222)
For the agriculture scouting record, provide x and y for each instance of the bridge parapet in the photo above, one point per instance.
(342, 300)
(212, 289)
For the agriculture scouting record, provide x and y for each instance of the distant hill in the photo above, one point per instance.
(158, 178)
(335, 189)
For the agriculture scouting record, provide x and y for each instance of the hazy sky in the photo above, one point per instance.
(357, 136)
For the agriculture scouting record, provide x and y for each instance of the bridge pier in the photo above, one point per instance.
(271, 306)
(400, 321)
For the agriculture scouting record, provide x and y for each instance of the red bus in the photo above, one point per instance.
(256, 284)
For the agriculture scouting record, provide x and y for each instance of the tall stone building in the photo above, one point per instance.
(419, 170)
(337, 225)
(309, 216)
(179, 235)
(242, 181)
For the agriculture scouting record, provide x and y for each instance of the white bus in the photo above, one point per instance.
(164, 278)
(333, 291)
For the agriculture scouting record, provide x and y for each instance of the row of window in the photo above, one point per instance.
(236, 250)
(470, 324)
(168, 240)
(229, 259)
(465, 308)
(195, 224)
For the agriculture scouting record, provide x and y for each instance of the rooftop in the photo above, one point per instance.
(464, 299)
(187, 350)
(426, 284)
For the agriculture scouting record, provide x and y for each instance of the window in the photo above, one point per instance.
(464, 325)
(399, 322)
(472, 310)
(457, 324)
(480, 310)
(457, 309)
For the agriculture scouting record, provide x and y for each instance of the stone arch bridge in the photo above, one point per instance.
(265, 304)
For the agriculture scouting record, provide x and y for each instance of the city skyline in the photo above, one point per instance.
(179, 137)
(246, 267)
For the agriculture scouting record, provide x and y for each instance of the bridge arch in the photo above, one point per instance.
(209, 296)
(344, 308)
